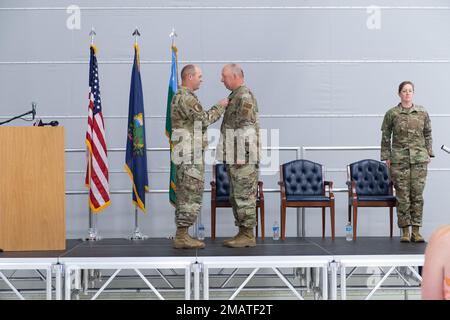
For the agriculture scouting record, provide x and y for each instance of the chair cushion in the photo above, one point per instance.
(222, 182)
(371, 177)
(303, 178)
(307, 198)
(222, 198)
(227, 199)
(376, 198)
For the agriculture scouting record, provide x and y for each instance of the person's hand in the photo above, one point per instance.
(388, 163)
(429, 159)
(224, 102)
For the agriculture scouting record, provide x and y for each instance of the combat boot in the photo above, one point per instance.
(184, 241)
(406, 237)
(245, 239)
(241, 230)
(416, 236)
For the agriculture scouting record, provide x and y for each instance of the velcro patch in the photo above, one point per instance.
(247, 105)
(195, 105)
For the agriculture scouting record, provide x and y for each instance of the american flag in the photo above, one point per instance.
(97, 167)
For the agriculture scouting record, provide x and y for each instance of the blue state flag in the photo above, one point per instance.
(136, 153)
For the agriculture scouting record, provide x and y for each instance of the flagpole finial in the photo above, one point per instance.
(92, 34)
(172, 35)
(136, 34)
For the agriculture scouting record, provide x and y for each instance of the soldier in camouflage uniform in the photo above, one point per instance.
(406, 146)
(189, 124)
(239, 150)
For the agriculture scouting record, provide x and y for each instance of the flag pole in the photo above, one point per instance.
(92, 34)
(92, 231)
(137, 234)
(136, 34)
(172, 35)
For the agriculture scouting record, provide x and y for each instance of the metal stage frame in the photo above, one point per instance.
(72, 266)
(198, 268)
(392, 262)
(48, 264)
(267, 262)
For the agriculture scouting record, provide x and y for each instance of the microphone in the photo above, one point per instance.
(33, 110)
(52, 123)
(446, 149)
(40, 123)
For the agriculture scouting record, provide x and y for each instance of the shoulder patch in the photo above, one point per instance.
(194, 105)
(197, 108)
(247, 112)
(247, 105)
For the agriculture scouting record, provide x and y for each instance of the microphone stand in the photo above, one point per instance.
(17, 117)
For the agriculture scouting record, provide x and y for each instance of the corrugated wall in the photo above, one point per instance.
(324, 74)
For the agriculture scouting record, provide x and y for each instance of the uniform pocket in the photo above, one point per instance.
(244, 170)
(195, 173)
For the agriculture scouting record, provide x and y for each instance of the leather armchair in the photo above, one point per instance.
(369, 185)
(302, 185)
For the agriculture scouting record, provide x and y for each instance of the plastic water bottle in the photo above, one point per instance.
(201, 232)
(276, 231)
(348, 232)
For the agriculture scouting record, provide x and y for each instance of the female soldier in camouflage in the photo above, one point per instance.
(406, 146)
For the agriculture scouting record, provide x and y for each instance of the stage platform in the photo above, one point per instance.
(328, 257)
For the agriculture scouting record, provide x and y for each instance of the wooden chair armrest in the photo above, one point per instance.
(331, 195)
(260, 190)
(353, 190)
(391, 188)
(282, 190)
(330, 188)
(213, 190)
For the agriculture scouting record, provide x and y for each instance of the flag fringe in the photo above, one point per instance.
(97, 210)
(95, 48)
(139, 202)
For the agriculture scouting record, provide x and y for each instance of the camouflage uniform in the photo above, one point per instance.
(241, 121)
(409, 154)
(186, 114)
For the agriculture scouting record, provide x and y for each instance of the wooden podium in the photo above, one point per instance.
(32, 189)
